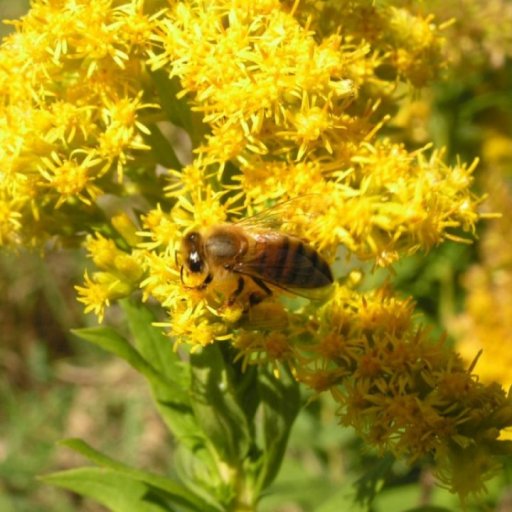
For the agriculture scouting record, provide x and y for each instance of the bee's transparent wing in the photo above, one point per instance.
(282, 215)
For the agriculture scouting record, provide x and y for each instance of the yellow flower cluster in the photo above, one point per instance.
(71, 87)
(291, 98)
(401, 391)
(406, 42)
(290, 117)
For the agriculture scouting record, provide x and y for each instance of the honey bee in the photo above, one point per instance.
(243, 260)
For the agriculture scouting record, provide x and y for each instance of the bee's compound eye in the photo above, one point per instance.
(194, 262)
(192, 238)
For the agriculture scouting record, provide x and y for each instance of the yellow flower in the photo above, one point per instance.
(192, 324)
(122, 130)
(160, 230)
(10, 223)
(95, 296)
(72, 79)
(270, 347)
(71, 179)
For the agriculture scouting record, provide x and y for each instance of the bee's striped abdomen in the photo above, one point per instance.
(290, 262)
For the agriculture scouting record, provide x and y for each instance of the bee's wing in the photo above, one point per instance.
(279, 214)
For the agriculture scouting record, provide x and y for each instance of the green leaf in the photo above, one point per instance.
(111, 341)
(180, 493)
(113, 490)
(153, 344)
(204, 479)
(280, 398)
(215, 404)
(172, 400)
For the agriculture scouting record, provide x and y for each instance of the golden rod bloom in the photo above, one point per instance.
(72, 77)
(281, 103)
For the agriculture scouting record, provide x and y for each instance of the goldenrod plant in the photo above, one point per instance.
(128, 125)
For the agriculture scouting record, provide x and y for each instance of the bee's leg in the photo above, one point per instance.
(239, 289)
(207, 280)
(255, 297)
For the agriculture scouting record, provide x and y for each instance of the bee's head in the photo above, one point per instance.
(192, 251)
(198, 274)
